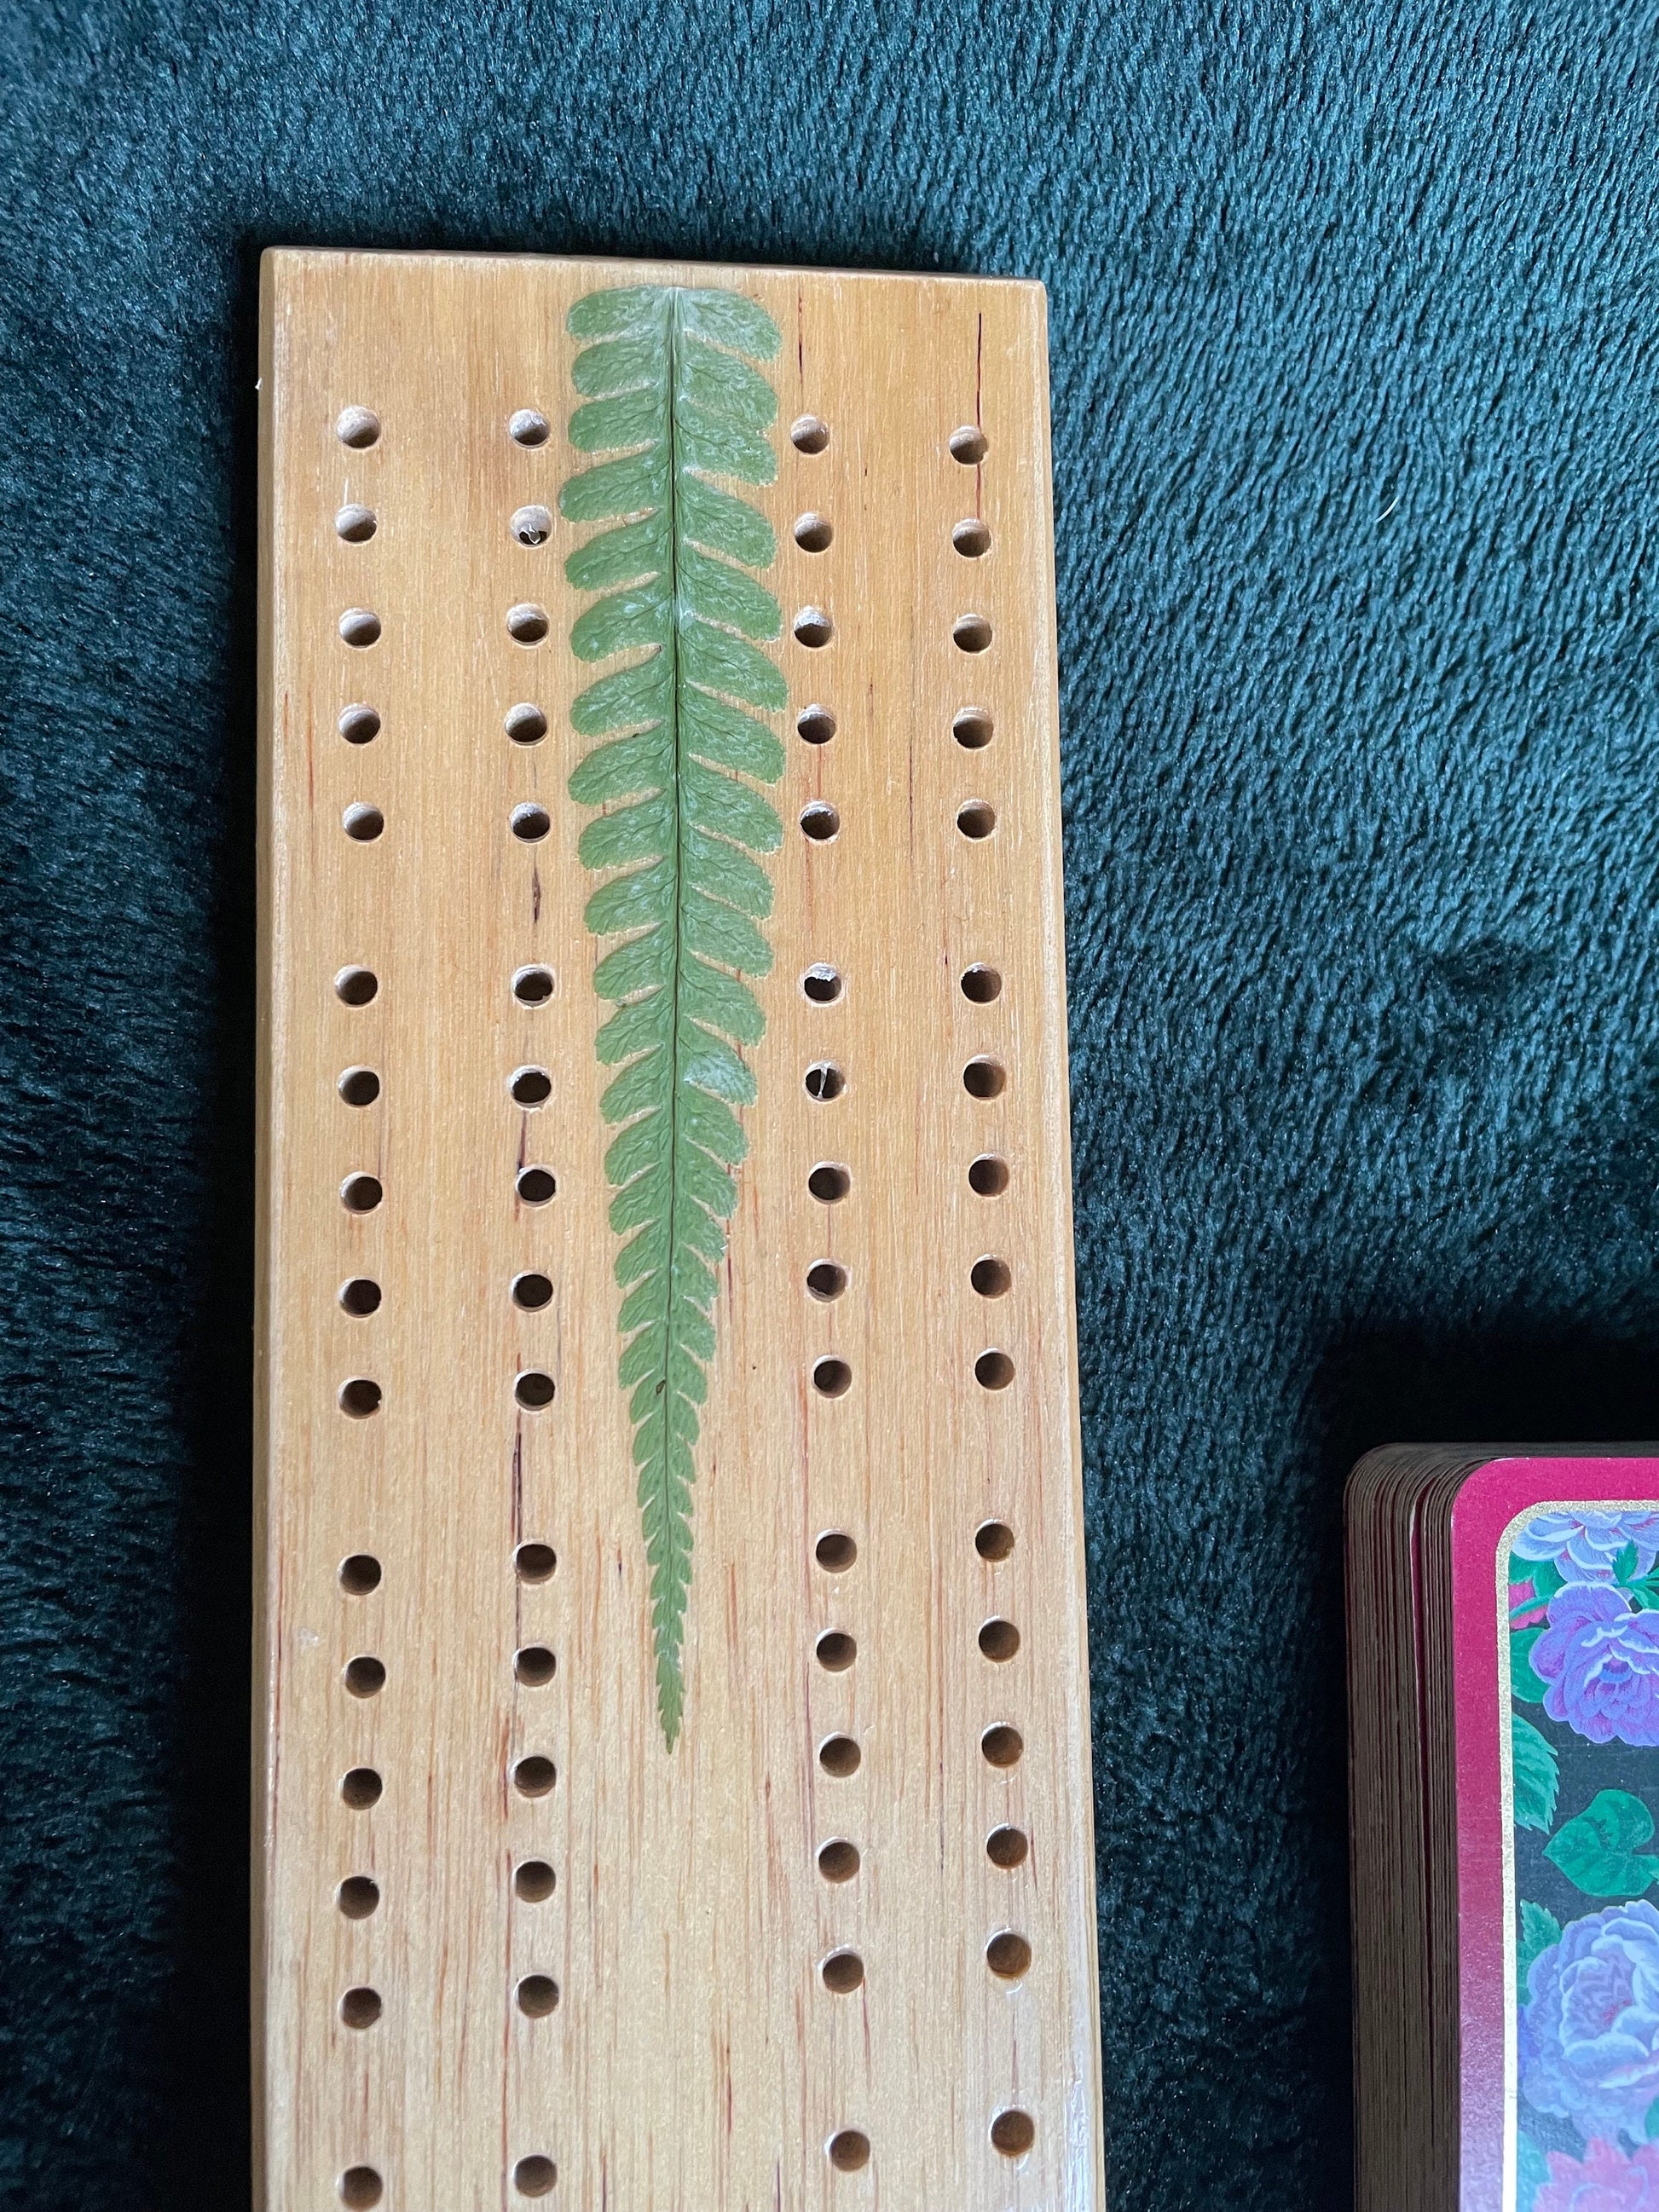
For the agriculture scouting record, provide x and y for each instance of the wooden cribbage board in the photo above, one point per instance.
(622, 1975)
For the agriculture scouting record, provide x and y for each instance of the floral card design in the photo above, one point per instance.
(1584, 1722)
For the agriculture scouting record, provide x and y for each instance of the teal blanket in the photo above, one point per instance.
(1357, 449)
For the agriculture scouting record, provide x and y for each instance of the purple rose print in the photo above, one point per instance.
(1589, 2029)
(1585, 1546)
(1600, 1660)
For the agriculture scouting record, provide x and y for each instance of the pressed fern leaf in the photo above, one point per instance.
(672, 400)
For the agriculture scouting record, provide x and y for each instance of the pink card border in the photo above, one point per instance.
(1497, 1493)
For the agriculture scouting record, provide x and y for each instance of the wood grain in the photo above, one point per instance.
(695, 2057)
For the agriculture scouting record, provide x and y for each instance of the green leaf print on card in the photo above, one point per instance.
(1598, 1851)
(1537, 1775)
(672, 400)
(1539, 1930)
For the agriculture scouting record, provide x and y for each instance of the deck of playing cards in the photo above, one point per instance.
(1503, 1697)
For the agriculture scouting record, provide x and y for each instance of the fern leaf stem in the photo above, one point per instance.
(669, 1675)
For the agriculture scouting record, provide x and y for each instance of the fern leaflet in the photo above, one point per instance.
(671, 399)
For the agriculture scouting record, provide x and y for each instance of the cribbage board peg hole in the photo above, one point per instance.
(981, 984)
(834, 1551)
(527, 623)
(360, 1297)
(820, 821)
(537, 1995)
(973, 729)
(535, 1562)
(830, 1182)
(359, 627)
(525, 724)
(536, 1186)
(1008, 1847)
(822, 983)
(840, 1755)
(534, 2177)
(831, 1377)
(361, 1788)
(826, 1279)
(836, 1651)
(970, 633)
(987, 1176)
(534, 1881)
(849, 2150)
(356, 986)
(984, 1077)
(360, 2188)
(530, 1087)
(815, 726)
(360, 1397)
(993, 1371)
(534, 1777)
(532, 1291)
(971, 539)
(362, 824)
(824, 1080)
(532, 986)
(991, 1277)
(534, 1665)
(1008, 1955)
(359, 1086)
(841, 1972)
(813, 533)
(976, 819)
(813, 628)
(358, 1897)
(358, 427)
(362, 1194)
(808, 434)
(1014, 2133)
(361, 2007)
(999, 1640)
(532, 526)
(969, 445)
(360, 1574)
(534, 1389)
(358, 725)
(357, 524)
(530, 823)
(838, 1860)
(993, 1541)
(1003, 1746)
(365, 1677)
(528, 426)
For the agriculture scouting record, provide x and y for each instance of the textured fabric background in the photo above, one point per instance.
(1354, 374)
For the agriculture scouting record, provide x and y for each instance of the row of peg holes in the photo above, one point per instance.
(982, 1078)
(1007, 1953)
(358, 1896)
(973, 727)
(841, 1970)
(361, 1194)
(533, 1776)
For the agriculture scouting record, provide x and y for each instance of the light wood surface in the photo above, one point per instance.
(695, 2060)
